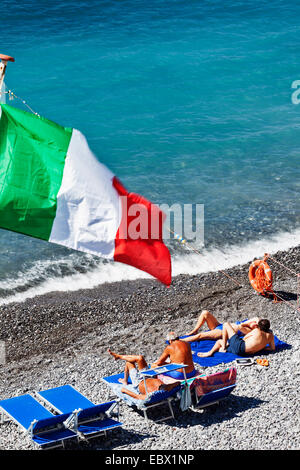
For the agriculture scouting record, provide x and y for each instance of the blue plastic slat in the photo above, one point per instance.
(66, 398)
(161, 395)
(50, 422)
(95, 410)
(24, 409)
(99, 426)
(114, 379)
(53, 437)
(215, 395)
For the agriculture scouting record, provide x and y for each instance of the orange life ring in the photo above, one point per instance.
(261, 277)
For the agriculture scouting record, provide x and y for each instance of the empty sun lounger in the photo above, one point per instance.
(210, 389)
(45, 429)
(153, 399)
(90, 420)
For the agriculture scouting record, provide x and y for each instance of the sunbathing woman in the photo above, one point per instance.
(131, 361)
(216, 333)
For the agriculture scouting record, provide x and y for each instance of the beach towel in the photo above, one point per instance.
(170, 380)
(208, 383)
(186, 399)
(223, 358)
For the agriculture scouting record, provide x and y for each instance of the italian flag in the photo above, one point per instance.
(53, 187)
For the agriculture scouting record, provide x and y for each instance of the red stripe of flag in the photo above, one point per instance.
(147, 252)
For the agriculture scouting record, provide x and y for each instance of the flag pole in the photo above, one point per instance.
(4, 59)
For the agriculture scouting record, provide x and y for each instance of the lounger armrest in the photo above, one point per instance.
(110, 412)
(72, 421)
(30, 429)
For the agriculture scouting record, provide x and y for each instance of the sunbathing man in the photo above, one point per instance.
(179, 352)
(256, 340)
(131, 361)
(216, 333)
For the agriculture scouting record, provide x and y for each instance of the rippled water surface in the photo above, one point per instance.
(185, 101)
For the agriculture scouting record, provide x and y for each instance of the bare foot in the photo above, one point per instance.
(223, 350)
(114, 355)
(206, 354)
(123, 381)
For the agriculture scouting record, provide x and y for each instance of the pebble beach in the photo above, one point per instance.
(62, 338)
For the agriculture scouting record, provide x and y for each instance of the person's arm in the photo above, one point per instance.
(163, 358)
(250, 323)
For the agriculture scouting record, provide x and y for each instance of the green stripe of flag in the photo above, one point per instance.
(32, 158)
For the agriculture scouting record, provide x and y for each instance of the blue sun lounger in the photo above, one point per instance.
(213, 397)
(45, 429)
(90, 420)
(153, 399)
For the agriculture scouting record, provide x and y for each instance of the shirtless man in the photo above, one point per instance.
(178, 352)
(131, 362)
(254, 341)
(216, 333)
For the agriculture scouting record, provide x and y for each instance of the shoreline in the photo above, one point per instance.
(85, 310)
(62, 337)
(25, 285)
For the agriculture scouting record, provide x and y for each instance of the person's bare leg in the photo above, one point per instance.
(128, 366)
(227, 332)
(138, 396)
(143, 395)
(131, 358)
(205, 317)
(212, 335)
(217, 347)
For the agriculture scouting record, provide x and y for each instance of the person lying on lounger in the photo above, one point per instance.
(134, 364)
(256, 340)
(177, 352)
(216, 333)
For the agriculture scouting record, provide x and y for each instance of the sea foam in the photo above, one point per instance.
(23, 287)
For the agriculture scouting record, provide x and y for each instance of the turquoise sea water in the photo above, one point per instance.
(185, 101)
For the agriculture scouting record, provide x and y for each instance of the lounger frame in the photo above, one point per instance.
(76, 422)
(166, 400)
(211, 398)
(55, 424)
